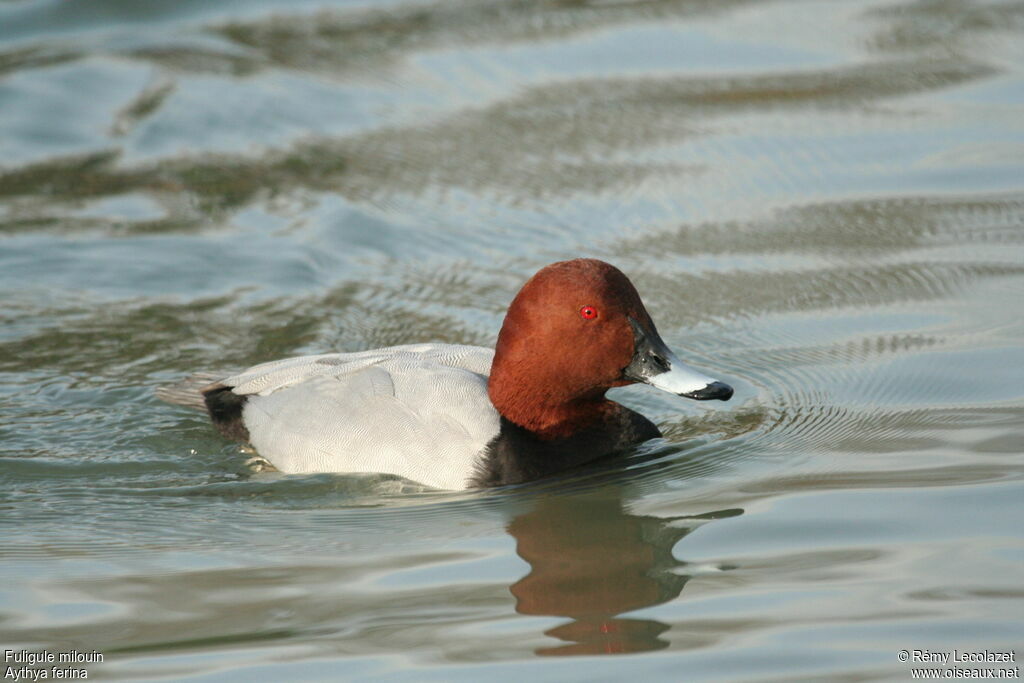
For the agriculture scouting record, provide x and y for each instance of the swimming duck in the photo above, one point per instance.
(452, 416)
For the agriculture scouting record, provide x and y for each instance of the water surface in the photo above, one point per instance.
(821, 203)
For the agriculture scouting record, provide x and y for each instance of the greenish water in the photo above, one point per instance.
(821, 203)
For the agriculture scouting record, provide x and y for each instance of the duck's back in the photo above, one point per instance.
(419, 411)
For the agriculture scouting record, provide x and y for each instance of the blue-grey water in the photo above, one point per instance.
(821, 203)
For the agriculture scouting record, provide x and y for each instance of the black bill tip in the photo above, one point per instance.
(715, 390)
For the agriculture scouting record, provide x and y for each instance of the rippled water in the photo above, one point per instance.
(821, 203)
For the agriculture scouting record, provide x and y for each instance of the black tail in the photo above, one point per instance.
(225, 410)
(203, 392)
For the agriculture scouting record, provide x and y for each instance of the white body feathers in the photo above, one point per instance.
(419, 411)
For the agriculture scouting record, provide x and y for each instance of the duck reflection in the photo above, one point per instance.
(592, 561)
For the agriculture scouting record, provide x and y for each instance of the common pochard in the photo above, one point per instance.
(452, 416)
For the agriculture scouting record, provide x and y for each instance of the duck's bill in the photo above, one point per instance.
(655, 364)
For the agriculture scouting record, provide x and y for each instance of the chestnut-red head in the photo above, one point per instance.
(576, 329)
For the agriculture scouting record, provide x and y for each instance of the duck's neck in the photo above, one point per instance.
(548, 427)
(548, 411)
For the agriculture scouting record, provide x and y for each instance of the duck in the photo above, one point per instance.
(453, 416)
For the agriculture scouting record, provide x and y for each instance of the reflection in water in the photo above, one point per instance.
(592, 561)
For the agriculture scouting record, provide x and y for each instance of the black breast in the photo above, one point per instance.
(516, 454)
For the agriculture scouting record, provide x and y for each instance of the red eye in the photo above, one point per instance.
(588, 312)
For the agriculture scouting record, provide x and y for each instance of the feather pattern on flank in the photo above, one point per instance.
(418, 411)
